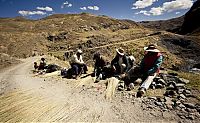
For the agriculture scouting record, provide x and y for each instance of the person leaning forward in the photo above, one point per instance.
(120, 62)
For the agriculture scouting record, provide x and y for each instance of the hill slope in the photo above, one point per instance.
(58, 34)
(171, 25)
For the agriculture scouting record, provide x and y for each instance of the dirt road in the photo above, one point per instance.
(24, 97)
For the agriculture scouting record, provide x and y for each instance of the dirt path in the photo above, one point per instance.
(112, 44)
(27, 98)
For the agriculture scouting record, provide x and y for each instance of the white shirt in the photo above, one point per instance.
(76, 59)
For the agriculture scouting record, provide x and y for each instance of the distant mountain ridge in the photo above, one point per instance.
(171, 25)
(186, 24)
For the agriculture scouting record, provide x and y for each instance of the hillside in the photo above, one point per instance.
(191, 23)
(171, 25)
(57, 34)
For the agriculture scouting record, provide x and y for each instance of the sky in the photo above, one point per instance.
(137, 10)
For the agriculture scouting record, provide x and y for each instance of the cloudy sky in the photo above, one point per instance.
(137, 10)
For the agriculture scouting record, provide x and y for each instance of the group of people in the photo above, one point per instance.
(123, 67)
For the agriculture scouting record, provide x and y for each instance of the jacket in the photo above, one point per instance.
(150, 64)
(116, 61)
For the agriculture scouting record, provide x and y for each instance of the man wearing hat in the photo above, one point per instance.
(149, 67)
(77, 63)
(120, 62)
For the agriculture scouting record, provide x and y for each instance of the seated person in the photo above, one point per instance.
(99, 67)
(148, 69)
(78, 64)
(131, 62)
(42, 64)
(119, 63)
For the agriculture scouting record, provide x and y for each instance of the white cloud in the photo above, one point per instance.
(168, 7)
(143, 12)
(143, 4)
(83, 8)
(177, 5)
(66, 4)
(96, 8)
(49, 9)
(27, 13)
(156, 11)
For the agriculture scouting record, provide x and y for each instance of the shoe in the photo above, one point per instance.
(131, 86)
(141, 92)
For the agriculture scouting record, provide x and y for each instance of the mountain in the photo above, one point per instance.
(191, 23)
(171, 25)
(186, 24)
(64, 33)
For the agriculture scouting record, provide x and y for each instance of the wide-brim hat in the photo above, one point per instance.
(151, 48)
(120, 51)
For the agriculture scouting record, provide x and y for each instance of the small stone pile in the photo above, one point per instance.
(175, 97)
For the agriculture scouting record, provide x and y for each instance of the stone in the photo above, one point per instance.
(162, 81)
(187, 91)
(180, 85)
(170, 93)
(181, 96)
(159, 104)
(191, 117)
(182, 106)
(180, 91)
(189, 105)
(160, 99)
(159, 86)
(152, 98)
(190, 110)
(182, 80)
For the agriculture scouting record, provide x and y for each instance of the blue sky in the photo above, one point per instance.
(137, 10)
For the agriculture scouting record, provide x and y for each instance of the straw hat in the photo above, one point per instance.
(151, 48)
(120, 51)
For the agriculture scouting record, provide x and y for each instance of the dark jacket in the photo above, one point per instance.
(100, 63)
(115, 61)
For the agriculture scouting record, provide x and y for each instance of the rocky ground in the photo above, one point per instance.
(24, 96)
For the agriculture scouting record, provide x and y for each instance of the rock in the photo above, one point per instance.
(181, 106)
(180, 85)
(152, 98)
(182, 80)
(181, 96)
(159, 86)
(189, 105)
(162, 81)
(170, 93)
(186, 91)
(159, 104)
(180, 91)
(190, 110)
(160, 99)
(191, 117)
